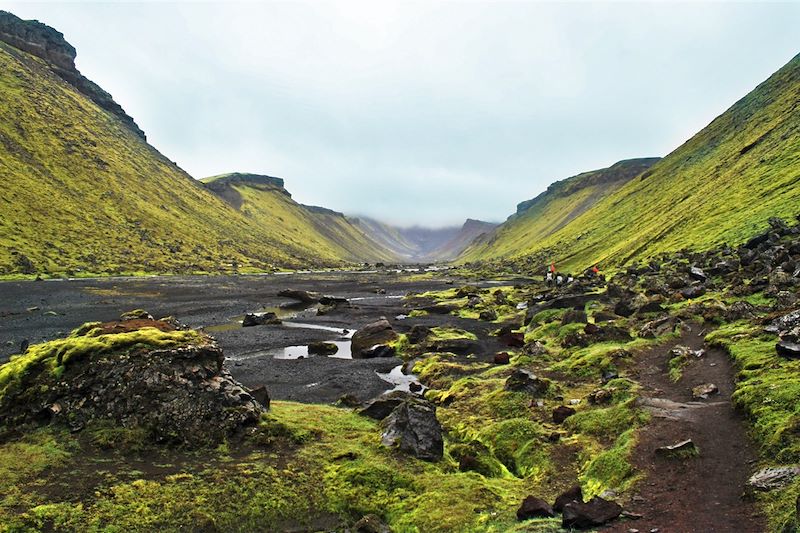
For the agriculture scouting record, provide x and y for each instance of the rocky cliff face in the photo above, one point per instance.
(46, 43)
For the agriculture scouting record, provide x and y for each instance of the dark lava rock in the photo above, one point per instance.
(650, 307)
(502, 358)
(574, 316)
(259, 319)
(375, 333)
(379, 350)
(371, 524)
(512, 339)
(600, 396)
(301, 296)
(413, 428)
(533, 507)
(624, 308)
(261, 395)
(534, 348)
(418, 334)
(456, 346)
(561, 413)
(595, 512)
(488, 315)
(525, 381)
(604, 316)
(784, 323)
(333, 301)
(415, 386)
(440, 309)
(179, 395)
(788, 349)
(575, 494)
(322, 348)
(383, 405)
(574, 301)
(697, 274)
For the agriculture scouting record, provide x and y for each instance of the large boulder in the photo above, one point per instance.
(774, 477)
(594, 513)
(169, 383)
(413, 428)
(373, 334)
(533, 507)
(383, 405)
(259, 319)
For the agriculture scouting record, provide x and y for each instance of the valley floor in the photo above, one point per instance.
(316, 465)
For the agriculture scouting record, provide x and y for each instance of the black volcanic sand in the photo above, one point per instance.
(45, 310)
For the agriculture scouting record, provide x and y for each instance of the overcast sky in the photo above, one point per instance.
(421, 113)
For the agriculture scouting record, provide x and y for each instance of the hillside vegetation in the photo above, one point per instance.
(719, 187)
(562, 202)
(315, 230)
(83, 193)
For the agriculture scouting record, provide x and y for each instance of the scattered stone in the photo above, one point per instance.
(418, 333)
(788, 349)
(333, 301)
(322, 348)
(260, 319)
(371, 524)
(462, 346)
(702, 392)
(502, 358)
(348, 400)
(595, 512)
(695, 291)
(631, 515)
(512, 339)
(383, 405)
(261, 395)
(414, 429)
(574, 494)
(379, 350)
(415, 386)
(534, 348)
(533, 507)
(525, 381)
(561, 413)
(369, 336)
(785, 323)
(489, 315)
(775, 477)
(685, 448)
(574, 316)
(600, 396)
(301, 296)
(697, 274)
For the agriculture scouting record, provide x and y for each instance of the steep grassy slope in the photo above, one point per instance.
(83, 193)
(271, 211)
(553, 209)
(721, 186)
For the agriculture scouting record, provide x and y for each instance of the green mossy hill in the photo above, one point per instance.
(271, 211)
(719, 187)
(84, 194)
(563, 201)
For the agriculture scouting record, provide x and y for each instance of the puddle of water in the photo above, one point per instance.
(400, 381)
(377, 297)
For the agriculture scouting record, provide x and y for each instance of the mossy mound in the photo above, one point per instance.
(137, 374)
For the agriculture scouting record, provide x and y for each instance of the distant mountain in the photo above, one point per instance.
(563, 201)
(424, 245)
(720, 186)
(83, 192)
